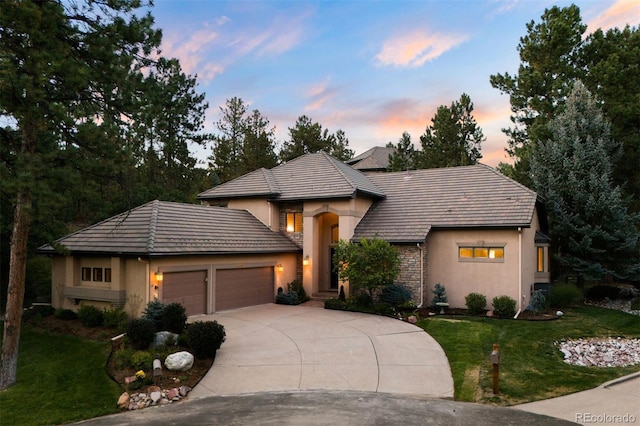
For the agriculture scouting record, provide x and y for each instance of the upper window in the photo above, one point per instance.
(96, 274)
(294, 222)
(542, 261)
(475, 253)
(335, 234)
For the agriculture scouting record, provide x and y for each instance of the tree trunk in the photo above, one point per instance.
(17, 265)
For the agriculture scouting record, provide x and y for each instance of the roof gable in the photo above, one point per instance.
(455, 197)
(376, 158)
(166, 228)
(311, 176)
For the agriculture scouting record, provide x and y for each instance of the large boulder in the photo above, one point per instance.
(123, 401)
(163, 336)
(179, 361)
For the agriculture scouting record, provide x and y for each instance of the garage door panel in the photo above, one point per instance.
(187, 288)
(237, 288)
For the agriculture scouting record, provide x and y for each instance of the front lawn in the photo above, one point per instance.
(60, 379)
(531, 366)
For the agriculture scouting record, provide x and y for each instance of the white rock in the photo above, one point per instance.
(180, 361)
(559, 313)
(155, 396)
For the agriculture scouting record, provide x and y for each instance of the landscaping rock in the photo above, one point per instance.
(179, 361)
(184, 390)
(605, 352)
(162, 337)
(123, 401)
(155, 396)
(412, 319)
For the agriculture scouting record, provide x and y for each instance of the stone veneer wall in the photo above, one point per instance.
(285, 208)
(410, 270)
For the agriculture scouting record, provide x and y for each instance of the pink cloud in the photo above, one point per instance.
(619, 14)
(416, 48)
(190, 51)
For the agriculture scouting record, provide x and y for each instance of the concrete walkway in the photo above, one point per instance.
(276, 348)
(615, 403)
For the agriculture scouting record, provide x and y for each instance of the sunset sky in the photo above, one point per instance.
(371, 68)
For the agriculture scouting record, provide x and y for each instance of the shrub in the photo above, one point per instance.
(296, 285)
(289, 298)
(90, 316)
(563, 295)
(599, 292)
(153, 312)
(141, 360)
(43, 310)
(396, 295)
(140, 332)
(504, 306)
(476, 303)
(363, 300)
(538, 302)
(439, 295)
(115, 317)
(335, 304)
(65, 314)
(174, 318)
(122, 358)
(205, 338)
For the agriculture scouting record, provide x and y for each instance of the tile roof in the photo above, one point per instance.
(165, 228)
(376, 158)
(455, 197)
(309, 177)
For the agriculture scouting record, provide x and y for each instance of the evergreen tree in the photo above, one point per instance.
(549, 54)
(453, 138)
(592, 232)
(70, 80)
(308, 137)
(259, 143)
(403, 156)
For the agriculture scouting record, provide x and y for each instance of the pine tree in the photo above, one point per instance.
(592, 232)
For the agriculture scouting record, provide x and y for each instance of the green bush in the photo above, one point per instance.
(335, 304)
(289, 298)
(153, 312)
(65, 314)
(115, 317)
(476, 303)
(90, 316)
(141, 360)
(140, 332)
(538, 302)
(396, 295)
(174, 318)
(205, 338)
(504, 306)
(296, 285)
(43, 310)
(362, 300)
(122, 358)
(439, 295)
(563, 295)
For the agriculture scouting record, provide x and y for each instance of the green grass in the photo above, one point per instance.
(531, 366)
(60, 379)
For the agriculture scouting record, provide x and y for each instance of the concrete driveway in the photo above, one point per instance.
(276, 348)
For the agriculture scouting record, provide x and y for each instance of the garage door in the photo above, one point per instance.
(187, 288)
(237, 288)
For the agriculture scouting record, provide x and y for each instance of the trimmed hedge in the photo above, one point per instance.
(476, 303)
(205, 338)
(504, 306)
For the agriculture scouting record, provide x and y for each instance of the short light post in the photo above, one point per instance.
(495, 360)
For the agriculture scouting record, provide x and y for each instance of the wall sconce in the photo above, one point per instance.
(305, 261)
(280, 267)
(159, 276)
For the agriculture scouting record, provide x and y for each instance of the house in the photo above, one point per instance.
(469, 228)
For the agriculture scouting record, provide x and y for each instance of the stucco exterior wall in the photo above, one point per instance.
(136, 277)
(462, 277)
(265, 211)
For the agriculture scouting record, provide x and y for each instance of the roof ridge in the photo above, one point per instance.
(153, 225)
(271, 181)
(494, 170)
(335, 166)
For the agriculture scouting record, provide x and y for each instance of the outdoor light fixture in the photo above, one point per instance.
(305, 261)
(159, 277)
(280, 267)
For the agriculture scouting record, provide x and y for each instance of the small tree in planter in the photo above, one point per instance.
(368, 265)
(439, 295)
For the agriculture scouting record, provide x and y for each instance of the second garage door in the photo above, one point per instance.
(187, 288)
(237, 288)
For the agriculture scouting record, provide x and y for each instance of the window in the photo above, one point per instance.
(294, 222)
(107, 275)
(542, 261)
(97, 274)
(335, 234)
(480, 253)
(86, 274)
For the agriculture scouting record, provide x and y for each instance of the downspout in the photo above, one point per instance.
(270, 207)
(148, 283)
(421, 275)
(519, 272)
